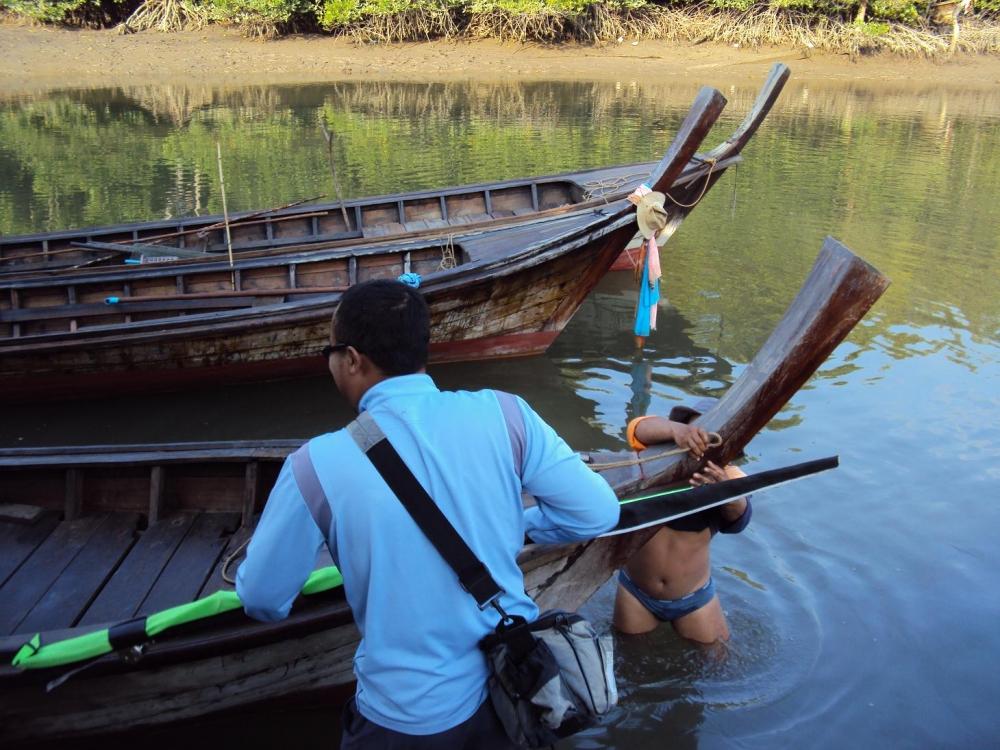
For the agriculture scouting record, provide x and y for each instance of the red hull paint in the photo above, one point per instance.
(97, 385)
(624, 262)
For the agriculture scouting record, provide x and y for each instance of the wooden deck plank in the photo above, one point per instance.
(215, 581)
(124, 593)
(28, 585)
(191, 565)
(18, 541)
(83, 578)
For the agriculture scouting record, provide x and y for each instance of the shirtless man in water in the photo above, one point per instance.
(670, 578)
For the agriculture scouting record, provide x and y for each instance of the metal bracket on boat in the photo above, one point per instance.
(133, 654)
(129, 655)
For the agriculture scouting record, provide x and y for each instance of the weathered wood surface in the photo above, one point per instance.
(18, 541)
(78, 583)
(26, 587)
(125, 592)
(320, 658)
(402, 214)
(192, 564)
(20, 513)
(514, 292)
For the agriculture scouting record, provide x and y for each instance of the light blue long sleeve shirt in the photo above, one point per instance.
(418, 666)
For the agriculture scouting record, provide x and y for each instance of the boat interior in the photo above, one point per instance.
(364, 218)
(111, 536)
(72, 303)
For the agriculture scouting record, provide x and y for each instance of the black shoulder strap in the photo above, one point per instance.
(472, 574)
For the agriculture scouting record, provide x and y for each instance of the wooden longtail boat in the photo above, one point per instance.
(125, 531)
(358, 221)
(505, 289)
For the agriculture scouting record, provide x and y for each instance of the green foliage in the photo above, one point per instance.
(528, 7)
(874, 28)
(835, 8)
(50, 11)
(896, 10)
(740, 5)
(258, 11)
(333, 13)
(554, 21)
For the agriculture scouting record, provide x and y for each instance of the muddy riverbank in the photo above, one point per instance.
(35, 58)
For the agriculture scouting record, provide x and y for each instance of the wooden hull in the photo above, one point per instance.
(197, 491)
(497, 310)
(512, 287)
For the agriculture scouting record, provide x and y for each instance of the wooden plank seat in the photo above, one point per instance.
(102, 568)
(71, 593)
(18, 541)
(33, 578)
(168, 565)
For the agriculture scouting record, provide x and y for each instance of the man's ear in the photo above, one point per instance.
(357, 362)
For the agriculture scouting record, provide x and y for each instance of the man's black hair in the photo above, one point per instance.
(388, 321)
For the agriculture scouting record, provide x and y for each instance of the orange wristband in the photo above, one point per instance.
(633, 442)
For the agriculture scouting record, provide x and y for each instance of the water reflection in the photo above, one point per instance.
(905, 175)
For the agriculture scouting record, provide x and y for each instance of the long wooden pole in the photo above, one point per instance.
(328, 134)
(225, 216)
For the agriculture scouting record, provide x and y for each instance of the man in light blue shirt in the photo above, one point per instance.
(421, 676)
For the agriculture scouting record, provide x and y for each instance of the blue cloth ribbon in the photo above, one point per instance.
(649, 295)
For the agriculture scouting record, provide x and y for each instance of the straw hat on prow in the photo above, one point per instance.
(651, 215)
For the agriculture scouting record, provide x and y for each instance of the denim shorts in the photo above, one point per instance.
(669, 610)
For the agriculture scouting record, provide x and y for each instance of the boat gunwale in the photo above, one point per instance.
(331, 206)
(437, 283)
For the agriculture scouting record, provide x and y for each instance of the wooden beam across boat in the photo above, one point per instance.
(120, 563)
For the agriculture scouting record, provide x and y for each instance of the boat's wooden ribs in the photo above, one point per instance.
(62, 604)
(76, 305)
(300, 225)
(114, 556)
(18, 541)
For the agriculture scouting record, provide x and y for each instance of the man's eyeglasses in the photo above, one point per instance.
(329, 349)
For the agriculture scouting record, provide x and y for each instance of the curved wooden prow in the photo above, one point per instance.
(762, 105)
(838, 292)
(707, 107)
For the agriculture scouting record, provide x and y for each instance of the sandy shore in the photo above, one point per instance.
(35, 58)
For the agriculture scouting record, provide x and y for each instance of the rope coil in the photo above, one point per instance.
(601, 188)
(704, 188)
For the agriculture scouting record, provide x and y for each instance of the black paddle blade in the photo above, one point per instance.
(651, 509)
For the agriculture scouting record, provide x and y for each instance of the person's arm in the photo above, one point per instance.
(652, 430)
(281, 554)
(574, 503)
(734, 515)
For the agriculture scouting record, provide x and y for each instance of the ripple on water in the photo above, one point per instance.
(668, 687)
